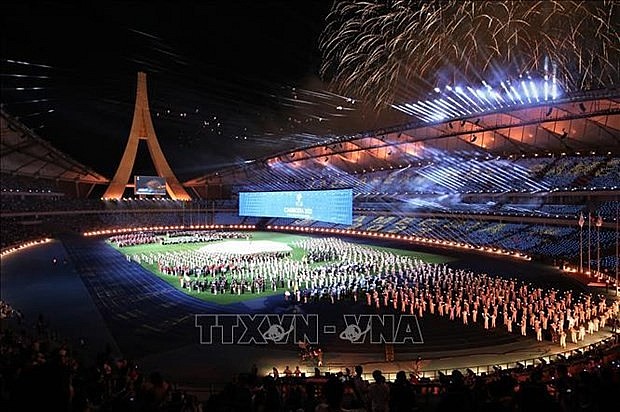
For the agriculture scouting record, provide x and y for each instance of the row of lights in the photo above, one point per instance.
(156, 228)
(557, 189)
(347, 232)
(534, 213)
(470, 192)
(573, 189)
(599, 275)
(549, 154)
(418, 239)
(27, 191)
(24, 246)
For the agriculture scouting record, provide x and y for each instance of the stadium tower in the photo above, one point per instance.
(142, 129)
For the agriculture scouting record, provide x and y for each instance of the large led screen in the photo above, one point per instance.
(150, 185)
(333, 206)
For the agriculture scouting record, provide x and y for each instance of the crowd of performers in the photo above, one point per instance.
(333, 270)
(134, 239)
(173, 238)
(220, 273)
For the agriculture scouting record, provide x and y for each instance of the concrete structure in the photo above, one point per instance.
(142, 129)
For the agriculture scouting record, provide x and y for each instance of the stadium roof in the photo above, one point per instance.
(588, 122)
(23, 153)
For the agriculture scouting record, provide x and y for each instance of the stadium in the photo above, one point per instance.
(407, 206)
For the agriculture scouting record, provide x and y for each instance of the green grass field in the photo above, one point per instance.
(224, 299)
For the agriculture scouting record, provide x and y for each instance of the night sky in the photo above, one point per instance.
(228, 81)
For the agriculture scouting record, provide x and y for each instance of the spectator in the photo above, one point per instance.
(360, 385)
(533, 394)
(379, 393)
(155, 391)
(350, 399)
(457, 396)
(332, 396)
(402, 394)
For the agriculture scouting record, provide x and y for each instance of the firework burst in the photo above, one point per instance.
(386, 50)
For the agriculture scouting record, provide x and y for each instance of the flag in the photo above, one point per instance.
(581, 220)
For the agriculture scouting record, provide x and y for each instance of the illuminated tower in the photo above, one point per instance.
(142, 129)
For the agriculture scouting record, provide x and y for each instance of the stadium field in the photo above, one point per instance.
(228, 298)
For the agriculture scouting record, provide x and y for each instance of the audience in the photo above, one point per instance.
(586, 382)
(39, 371)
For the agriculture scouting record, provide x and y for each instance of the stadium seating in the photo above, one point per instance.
(438, 198)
